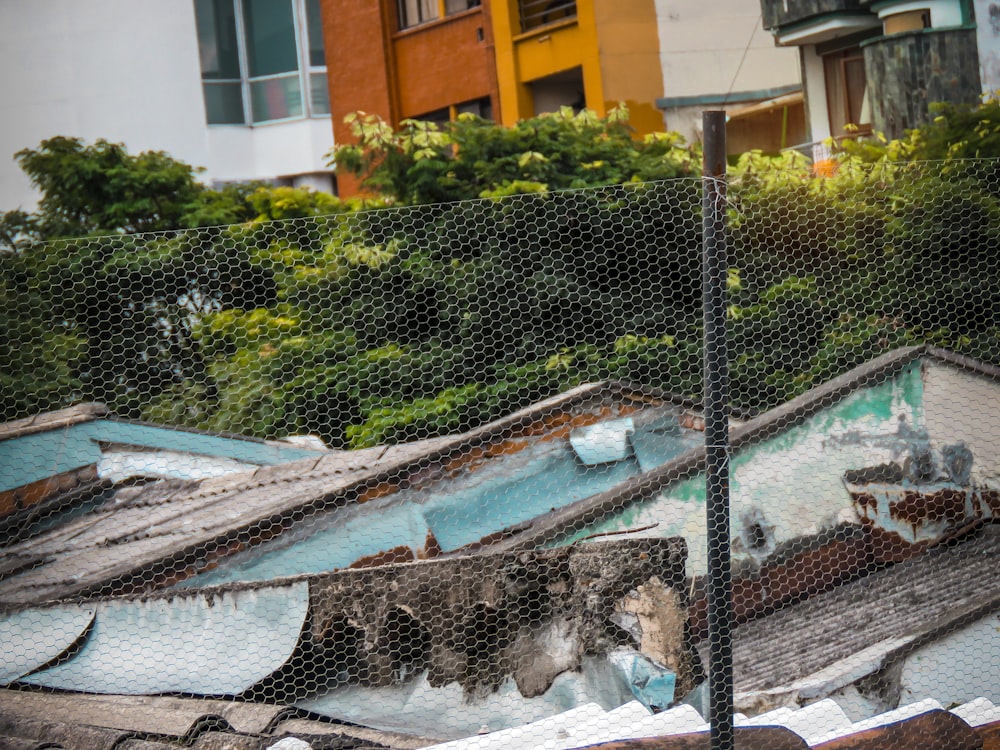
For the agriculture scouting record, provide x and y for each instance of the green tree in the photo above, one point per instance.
(101, 188)
(956, 131)
(423, 162)
(92, 307)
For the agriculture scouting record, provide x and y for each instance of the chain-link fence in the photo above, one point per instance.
(396, 477)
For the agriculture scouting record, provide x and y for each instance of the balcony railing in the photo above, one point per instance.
(536, 13)
(777, 13)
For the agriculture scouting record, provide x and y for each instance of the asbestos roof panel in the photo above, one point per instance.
(163, 715)
(363, 736)
(42, 733)
(889, 717)
(887, 609)
(33, 638)
(816, 719)
(210, 644)
(144, 525)
(119, 464)
(978, 712)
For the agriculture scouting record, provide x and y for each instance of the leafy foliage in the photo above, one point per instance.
(423, 162)
(957, 131)
(288, 311)
(111, 318)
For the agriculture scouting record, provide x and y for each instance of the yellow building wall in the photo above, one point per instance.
(614, 43)
(629, 54)
(554, 48)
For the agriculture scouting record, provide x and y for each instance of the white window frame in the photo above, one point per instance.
(305, 70)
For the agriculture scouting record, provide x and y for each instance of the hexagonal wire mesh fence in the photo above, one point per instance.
(437, 473)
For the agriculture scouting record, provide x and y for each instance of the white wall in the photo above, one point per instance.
(265, 151)
(703, 43)
(127, 71)
(123, 70)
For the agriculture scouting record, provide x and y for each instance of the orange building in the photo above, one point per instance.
(505, 60)
(427, 59)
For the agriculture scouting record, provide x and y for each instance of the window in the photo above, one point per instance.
(415, 12)
(220, 62)
(438, 116)
(261, 60)
(911, 20)
(451, 7)
(535, 13)
(846, 90)
(479, 107)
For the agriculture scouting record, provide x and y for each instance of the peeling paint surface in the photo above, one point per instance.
(210, 644)
(790, 485)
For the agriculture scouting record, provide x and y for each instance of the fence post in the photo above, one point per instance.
(720, 583)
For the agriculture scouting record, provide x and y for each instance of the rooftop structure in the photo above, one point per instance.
(491, 581)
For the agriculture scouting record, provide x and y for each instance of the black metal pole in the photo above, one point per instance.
(720, 581)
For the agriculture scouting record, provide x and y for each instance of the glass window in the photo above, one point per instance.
(224, 103)
(413, 12)
(319, 94)
(220, 57)
(535, 13)
(259, 60)
(457, 6)
(438, 116)
(314, 27)
(270, 37)
(276, 98)
(218, 49)
(479, 107)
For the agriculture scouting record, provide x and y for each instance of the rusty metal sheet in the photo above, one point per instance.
(924, 512)
(33, 638)
(207, 643)
(934, 730)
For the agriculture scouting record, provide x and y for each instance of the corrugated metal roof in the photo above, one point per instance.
(893, 607)
(179, 527)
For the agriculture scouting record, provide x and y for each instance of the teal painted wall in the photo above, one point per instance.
(792, 481)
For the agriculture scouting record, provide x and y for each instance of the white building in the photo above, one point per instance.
(716, 55)
(879, 65)
(235, 86)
